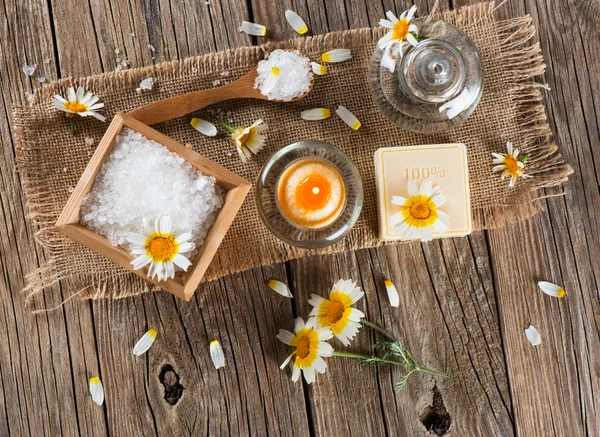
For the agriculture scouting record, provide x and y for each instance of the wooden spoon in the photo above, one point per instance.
(173, 107)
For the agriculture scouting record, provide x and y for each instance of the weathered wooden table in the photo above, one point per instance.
(464, 302)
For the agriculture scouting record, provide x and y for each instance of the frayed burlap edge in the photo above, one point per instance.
(523, 61)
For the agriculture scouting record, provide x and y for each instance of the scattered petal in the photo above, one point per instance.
(96, 390)
(318, 68)
(296, 22)
(280, 288)
(205, 127)
(348, 117)
(392, 293)
(336, 55)
(316, 114)
(533, 336)
(145, 342)
(217, 355)
(551, 289)
(29, 69)
(253, 29)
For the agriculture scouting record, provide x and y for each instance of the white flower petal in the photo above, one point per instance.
(285, 363)
(181, 261)
(551, 289)
(145, 342)
(315, 114)
(387, 61)
(412, 40)
(181, 238)
(295, 374)
(186, 247)
(136, 239)
(348, 117)
(398, 200)
(386, 23)
(318, 68)
(296, 22)
(533, 336)
(391, 17)
(141, 261)
(336, 55)
(285, 336)
(267, 86)
(411, 12)
(204, 127)
(392, 293)
(280, 288)
(97, 390)
(165, 226)
(217, 355)
(253, 28)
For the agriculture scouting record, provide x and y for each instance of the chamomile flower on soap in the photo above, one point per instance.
(315, 114)
(247, 140)
(420, 214)
(318, 69)
(401, 31)
(337, 312)
(296, 22)
(533, 336)
(145, 342)
(348, 117)
(253, 29)
(551, 289)
(392, 293)
(216, 354)
(310, 348)
(336, 55)
(78, 103)
(280, 288)
(510, 164)
(96, 390)
(160, 247)
(204, 127)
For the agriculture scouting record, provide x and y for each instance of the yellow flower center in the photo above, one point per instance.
(400, 29)
(303, 346)
(275, 71)
(420, 210)
(335, 312)
(241, 137)
(162, 248)
(512, 165)
(76, 107)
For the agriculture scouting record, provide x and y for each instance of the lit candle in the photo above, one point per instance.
(311, 193)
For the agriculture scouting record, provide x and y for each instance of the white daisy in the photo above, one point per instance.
(509, 165)
(421, 214)
(78, 103)
(160, 247)
(310, 347)
(247, 140)
(336, 312)
(401, 31)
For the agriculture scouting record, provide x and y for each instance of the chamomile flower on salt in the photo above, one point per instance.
(348, 117)
(337, 312)
(421, 214)
(160, 247)
(144, 343)
(509, 164)
(204, 127)
(315, 114)
(336, 55)
(253, 29)
(247, 140)
(401, 31)
(284, 75)
(551, 289)
(280, 288)
(318, 69)
(296, 22)
(310, 347)
(216, 354)
(96, 390)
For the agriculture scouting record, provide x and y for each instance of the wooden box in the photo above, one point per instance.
(183, 284)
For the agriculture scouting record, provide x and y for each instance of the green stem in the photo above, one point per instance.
(433, 372)
(72, 128)
(378, 329)
(226, 126)
(366, 357)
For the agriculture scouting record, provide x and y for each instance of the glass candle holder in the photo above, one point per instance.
(435, 86)
(309, 194)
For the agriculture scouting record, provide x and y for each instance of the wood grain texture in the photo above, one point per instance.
(464, 302)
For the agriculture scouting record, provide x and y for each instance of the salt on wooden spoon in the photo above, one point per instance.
(177, 106)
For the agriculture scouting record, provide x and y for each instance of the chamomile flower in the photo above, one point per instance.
(296, 22)
(510, 164)
(310, 348)
(420, 215)
(247, 140)
(78, 103)
(401, 31)
(160, 247)
(253, 29)
(337, 312)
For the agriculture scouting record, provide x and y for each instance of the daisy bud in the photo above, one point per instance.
(551, 289)
(253, 29)
(296, 22)
(348, 117)
(316, 114)
(336, 55)
(96, 390)
(204, 127)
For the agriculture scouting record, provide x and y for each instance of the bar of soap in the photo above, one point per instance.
(445, 165)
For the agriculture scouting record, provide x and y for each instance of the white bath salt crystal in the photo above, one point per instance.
(65, 169)
(216, 82)
(151, 47)
(138, 90)
(41, 79)
(146, 84)
(194, 70)
(117, 51)
(89, 141)
(70, 189)
(224, 73)
(132, 35)
(29, 69)
(31, 98)
(47, 61)
(294, 75)
(141, 178)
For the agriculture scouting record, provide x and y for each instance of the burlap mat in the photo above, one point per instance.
(51, 160)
